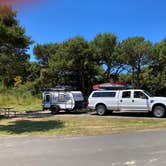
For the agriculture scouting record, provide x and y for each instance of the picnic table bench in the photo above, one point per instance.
(7, 111)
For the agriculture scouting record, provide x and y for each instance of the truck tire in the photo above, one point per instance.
(159, 111)
(55, 110)
(101, 110)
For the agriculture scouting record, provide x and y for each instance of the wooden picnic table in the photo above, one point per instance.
(6, 111)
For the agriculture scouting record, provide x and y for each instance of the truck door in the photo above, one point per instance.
(140, 101)
(125, 101)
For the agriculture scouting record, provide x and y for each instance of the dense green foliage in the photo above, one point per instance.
(20, 99)
(137, 54)
(82, 63)
(78, 62)
(13, 46)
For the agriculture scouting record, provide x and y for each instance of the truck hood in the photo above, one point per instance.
(160, 99)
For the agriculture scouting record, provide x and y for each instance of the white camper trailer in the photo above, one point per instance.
(62, 98)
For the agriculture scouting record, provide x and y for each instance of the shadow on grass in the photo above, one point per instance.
(131, 114)
(45, 114)
(128, 114)
(28, 126)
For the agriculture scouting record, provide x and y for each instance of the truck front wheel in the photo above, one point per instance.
(159, 111)
(101, 110)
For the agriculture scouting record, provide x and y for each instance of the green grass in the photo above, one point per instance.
(76, 126)
(20, 101)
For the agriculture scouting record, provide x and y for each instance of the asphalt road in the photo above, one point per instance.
(126, 149)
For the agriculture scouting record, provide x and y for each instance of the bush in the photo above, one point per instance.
(21, 98)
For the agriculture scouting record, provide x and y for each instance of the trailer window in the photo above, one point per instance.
(78, 96)
(67, 97)
(61, 97)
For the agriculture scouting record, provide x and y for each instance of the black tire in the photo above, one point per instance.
(109, 112)
(101, 110)
(55, 110)
(159, 111)
(68, 111)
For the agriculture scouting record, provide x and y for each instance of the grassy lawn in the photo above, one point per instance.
(76, 126)
(20, 102)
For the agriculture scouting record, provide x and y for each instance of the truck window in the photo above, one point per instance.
(140, 95)
(148, 94)
(126, 94)
(104, 94)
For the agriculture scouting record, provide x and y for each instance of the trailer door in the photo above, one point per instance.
(47, 100)
(69, 101)
(61, 100)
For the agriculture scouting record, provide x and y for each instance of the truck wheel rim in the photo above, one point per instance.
(100, 111)
(158, 112)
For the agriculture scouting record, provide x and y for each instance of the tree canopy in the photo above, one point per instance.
(79, 62)
(13, 46)
(105, 48)
(136, 55)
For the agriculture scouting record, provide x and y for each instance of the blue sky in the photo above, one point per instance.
(57, 20)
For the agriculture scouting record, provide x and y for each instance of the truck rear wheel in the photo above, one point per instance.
(159, 111)
(55, 110)
(101, 110)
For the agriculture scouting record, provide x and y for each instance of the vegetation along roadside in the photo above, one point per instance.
(76, 126)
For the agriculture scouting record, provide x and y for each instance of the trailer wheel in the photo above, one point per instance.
(68, 111)
(55, 110)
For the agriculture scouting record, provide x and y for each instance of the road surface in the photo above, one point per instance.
(125, 149)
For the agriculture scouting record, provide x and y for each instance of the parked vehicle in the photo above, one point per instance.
(62, 98)
(125, 101)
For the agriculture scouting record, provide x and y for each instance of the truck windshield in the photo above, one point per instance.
(147, 93)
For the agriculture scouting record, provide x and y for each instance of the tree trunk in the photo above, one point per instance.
(138, 77)
(108, 73)
(82, 80)
(138, 72)
(133, 77)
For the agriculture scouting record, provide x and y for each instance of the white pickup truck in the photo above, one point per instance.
(126, 100)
